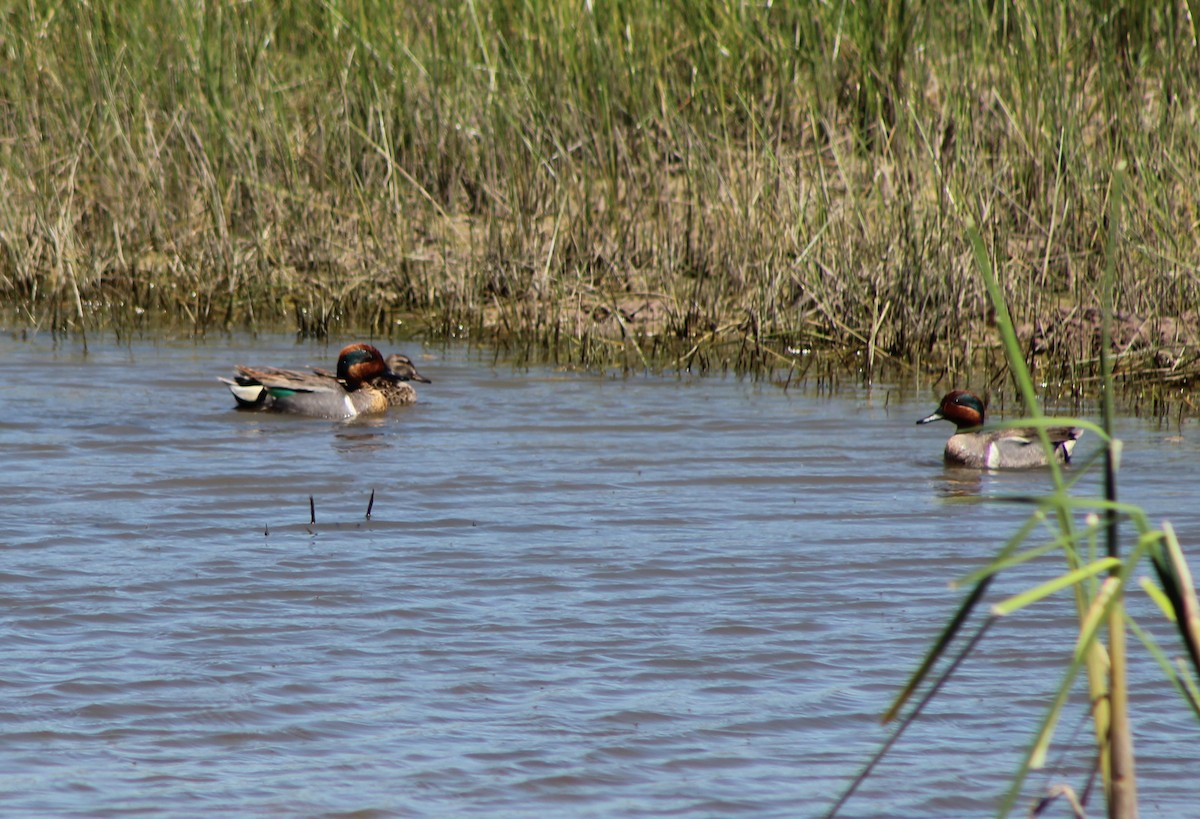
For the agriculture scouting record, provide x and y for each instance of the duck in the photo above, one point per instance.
(972, 447)
(364, 383)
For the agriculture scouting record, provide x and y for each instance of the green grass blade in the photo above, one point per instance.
(1159, 598)
(912, 717)
(1043, 590)
(1180, 679)
(1000, 563)
(1036, 754)
(1176, 580)
(938, 649)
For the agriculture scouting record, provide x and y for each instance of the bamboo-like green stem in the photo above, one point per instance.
(1122, 781)
(1105, 672)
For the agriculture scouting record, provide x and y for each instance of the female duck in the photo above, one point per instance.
(364, 383)
(1000, 448)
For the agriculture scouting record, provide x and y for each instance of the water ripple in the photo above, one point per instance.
(575, 595)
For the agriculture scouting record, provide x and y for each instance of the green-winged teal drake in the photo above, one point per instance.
(999, 448)
(364, 383)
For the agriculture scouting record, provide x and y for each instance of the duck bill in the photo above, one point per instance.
(937, 416)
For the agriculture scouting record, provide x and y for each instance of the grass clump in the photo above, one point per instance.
(631, 181)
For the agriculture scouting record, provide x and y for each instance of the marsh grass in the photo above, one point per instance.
(630, 182)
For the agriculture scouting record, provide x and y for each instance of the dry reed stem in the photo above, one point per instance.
(688, 180)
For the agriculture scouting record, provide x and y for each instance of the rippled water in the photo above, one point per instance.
(576, 595)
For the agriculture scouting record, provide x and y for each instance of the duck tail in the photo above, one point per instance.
(245, 392)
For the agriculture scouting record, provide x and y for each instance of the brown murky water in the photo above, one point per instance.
(576, 595)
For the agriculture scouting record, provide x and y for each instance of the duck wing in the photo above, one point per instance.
(1020, 448)
(278, 379)
(276, 388)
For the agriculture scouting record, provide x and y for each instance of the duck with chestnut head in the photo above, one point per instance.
(973, 447)
(364, 383)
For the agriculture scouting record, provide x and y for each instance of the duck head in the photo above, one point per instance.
(964, 409)
(401, 368)
(359, 363)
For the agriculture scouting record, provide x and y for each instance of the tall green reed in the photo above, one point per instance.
(1099, 578)
(784, 175)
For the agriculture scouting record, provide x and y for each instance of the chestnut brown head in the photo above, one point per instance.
(964, 409)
